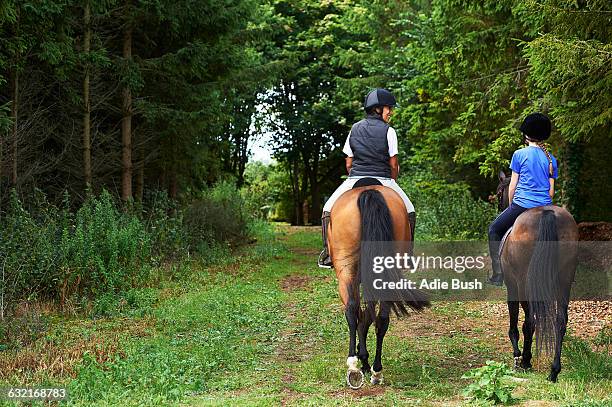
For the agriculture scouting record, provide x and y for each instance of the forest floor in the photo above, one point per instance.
(267, 328)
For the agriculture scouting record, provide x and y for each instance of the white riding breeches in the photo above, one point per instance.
(349, 182)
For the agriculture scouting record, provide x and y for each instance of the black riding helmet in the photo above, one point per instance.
(379, 97)
(536, 127)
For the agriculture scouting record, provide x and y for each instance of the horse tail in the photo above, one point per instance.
(543, 282)
(377, 230)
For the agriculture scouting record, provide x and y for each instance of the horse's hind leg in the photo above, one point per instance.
(561, 325)
(362, 331)
(350, 296)
(513, 332)
(382, 325)
(528, 330)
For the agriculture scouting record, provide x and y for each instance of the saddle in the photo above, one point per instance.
(366, 182)
(503, 241)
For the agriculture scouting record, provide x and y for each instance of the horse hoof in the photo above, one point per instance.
(354, 379)
(517, 362)
(376, 378)
(552, 378)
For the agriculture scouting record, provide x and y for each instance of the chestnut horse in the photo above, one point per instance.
(371, 213)
(538, 274)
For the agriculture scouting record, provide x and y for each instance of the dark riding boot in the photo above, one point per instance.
(497, 278)
(324, 259)
(412, 222)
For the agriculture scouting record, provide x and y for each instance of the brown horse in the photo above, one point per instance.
(539, 261)
(368, 214)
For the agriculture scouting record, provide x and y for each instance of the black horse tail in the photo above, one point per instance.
(543, 282)
(377, 231)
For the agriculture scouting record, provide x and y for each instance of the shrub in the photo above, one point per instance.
(447, 211)
(106, 250)
(267, 192)
(163, 219)
(53, 253)
(56, 254)
(218, 215)
(488, 384)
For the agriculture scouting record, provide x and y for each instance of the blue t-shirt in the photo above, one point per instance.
(533, 185)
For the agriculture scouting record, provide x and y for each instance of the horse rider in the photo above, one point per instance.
(371, 152)
(534, 170)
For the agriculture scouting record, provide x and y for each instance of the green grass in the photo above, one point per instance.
(266, 328)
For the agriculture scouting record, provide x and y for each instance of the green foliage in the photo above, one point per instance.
(135, 302)
(468, 72)
(99, 251)
(584, 362)
(266, 190)
(163, 218)
(447, 211)
(218, 215)
(315, 100)
(106, 250)
(489, 383)
(57, 254)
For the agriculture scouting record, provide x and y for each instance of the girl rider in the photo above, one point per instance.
(371, 149)
(532, 184)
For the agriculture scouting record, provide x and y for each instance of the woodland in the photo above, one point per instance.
(126, 126)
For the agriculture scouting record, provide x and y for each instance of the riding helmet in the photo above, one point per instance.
(536, 126)
(379, 97)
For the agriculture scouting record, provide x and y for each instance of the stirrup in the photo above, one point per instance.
(322, 260)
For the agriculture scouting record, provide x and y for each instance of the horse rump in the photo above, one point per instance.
(377, 240)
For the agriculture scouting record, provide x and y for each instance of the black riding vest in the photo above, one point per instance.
(368, 140)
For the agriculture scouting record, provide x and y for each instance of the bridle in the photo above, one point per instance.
(501, 189)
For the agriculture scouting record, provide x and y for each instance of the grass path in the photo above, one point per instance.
(425, 355)
(267, 328)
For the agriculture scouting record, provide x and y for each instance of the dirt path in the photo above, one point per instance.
(292, 350)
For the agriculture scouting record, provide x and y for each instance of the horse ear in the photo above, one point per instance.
(502, 175)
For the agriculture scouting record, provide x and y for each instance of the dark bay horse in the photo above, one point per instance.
(368, 214)
(539, 261)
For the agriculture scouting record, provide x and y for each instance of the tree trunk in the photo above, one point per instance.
(86, 101)
(243, 158)
(140, 175)
(173, 187)
(312, 171)
(14, 115)
(126, 124)
(315, 198)
(298, 218)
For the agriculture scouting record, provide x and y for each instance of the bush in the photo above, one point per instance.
(49, 252)
(56, 254)
(267, 191)
(106, 250)
(447, 211)
(219, 215)
(163, 220)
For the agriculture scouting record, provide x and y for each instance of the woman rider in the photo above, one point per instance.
(371, 149)
(532, 184)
